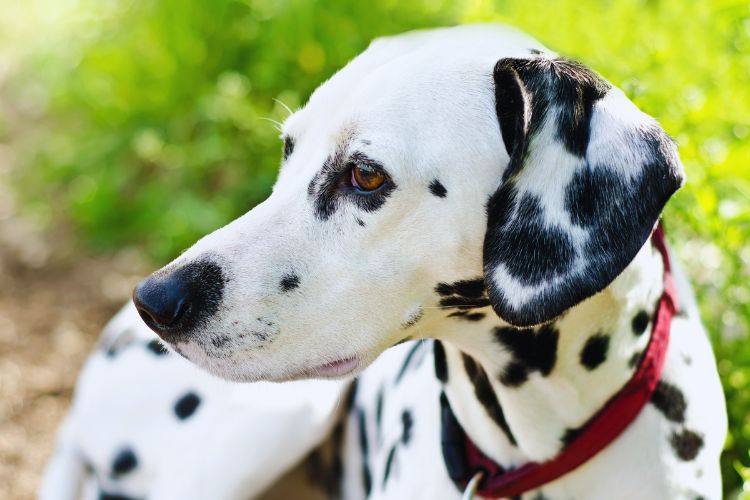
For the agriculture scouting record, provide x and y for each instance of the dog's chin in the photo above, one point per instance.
(245, 370)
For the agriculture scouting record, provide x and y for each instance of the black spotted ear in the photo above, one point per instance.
(587, 179)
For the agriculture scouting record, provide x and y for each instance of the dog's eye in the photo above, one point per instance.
(366, 178)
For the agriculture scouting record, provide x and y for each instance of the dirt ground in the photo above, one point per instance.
(53, 303)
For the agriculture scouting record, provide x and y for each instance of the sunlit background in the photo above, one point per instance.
(130, 128)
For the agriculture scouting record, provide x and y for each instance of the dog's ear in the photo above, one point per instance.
(587, 179)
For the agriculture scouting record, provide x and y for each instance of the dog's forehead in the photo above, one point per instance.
(400, 79)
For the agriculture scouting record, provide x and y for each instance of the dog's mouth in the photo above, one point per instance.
(332, 370)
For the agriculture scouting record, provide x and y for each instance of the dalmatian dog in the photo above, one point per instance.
(463, 221)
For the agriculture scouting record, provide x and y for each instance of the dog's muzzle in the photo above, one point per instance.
(174, 302)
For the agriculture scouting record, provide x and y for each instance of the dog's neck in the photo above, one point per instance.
(520, 394)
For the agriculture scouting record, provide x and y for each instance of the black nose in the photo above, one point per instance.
(176, 302)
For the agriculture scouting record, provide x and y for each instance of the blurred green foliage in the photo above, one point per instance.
(150, 123)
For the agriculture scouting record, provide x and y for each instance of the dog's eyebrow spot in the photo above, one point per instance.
(669, 400)
(156, 347)
(686, 444)
(289, 282)
(124, 462)
(288, 147)
(640, 322)
(186, 405)
(438, 189)
(329, 187)
(594, 352)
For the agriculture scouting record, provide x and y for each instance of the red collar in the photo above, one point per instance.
(463, 459)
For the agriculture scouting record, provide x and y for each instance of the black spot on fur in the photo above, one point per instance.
(438, 189)
(464, 303)
(124, 462)
(514, 374)
(389, 464)
(570, 435)
(594, 352)
(366, 475)
(452, 442)
(686, 444)
(463, 295)
(288, 147)
(379, 409)
(635, 359)
(360, 222)
(407, 422)
(468, 316)
(113, 496)
(289, 282)
(441, 367)
(535, 52)
(640, 322)
(408, 359)
(669, 400)
(156, 347)
(531, 350)
(330, 187)
(186, 405)
(464, 288)
(486, 395)
(351, 395)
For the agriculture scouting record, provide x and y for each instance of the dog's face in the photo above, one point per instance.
(428, 162)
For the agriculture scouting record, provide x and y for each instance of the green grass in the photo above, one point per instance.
(144, 123)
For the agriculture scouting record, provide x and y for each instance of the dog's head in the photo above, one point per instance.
(431, 160)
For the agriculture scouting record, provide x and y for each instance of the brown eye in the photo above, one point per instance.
(366, 178)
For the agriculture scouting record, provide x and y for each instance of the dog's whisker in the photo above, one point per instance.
(289, 110)
(277, 124)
